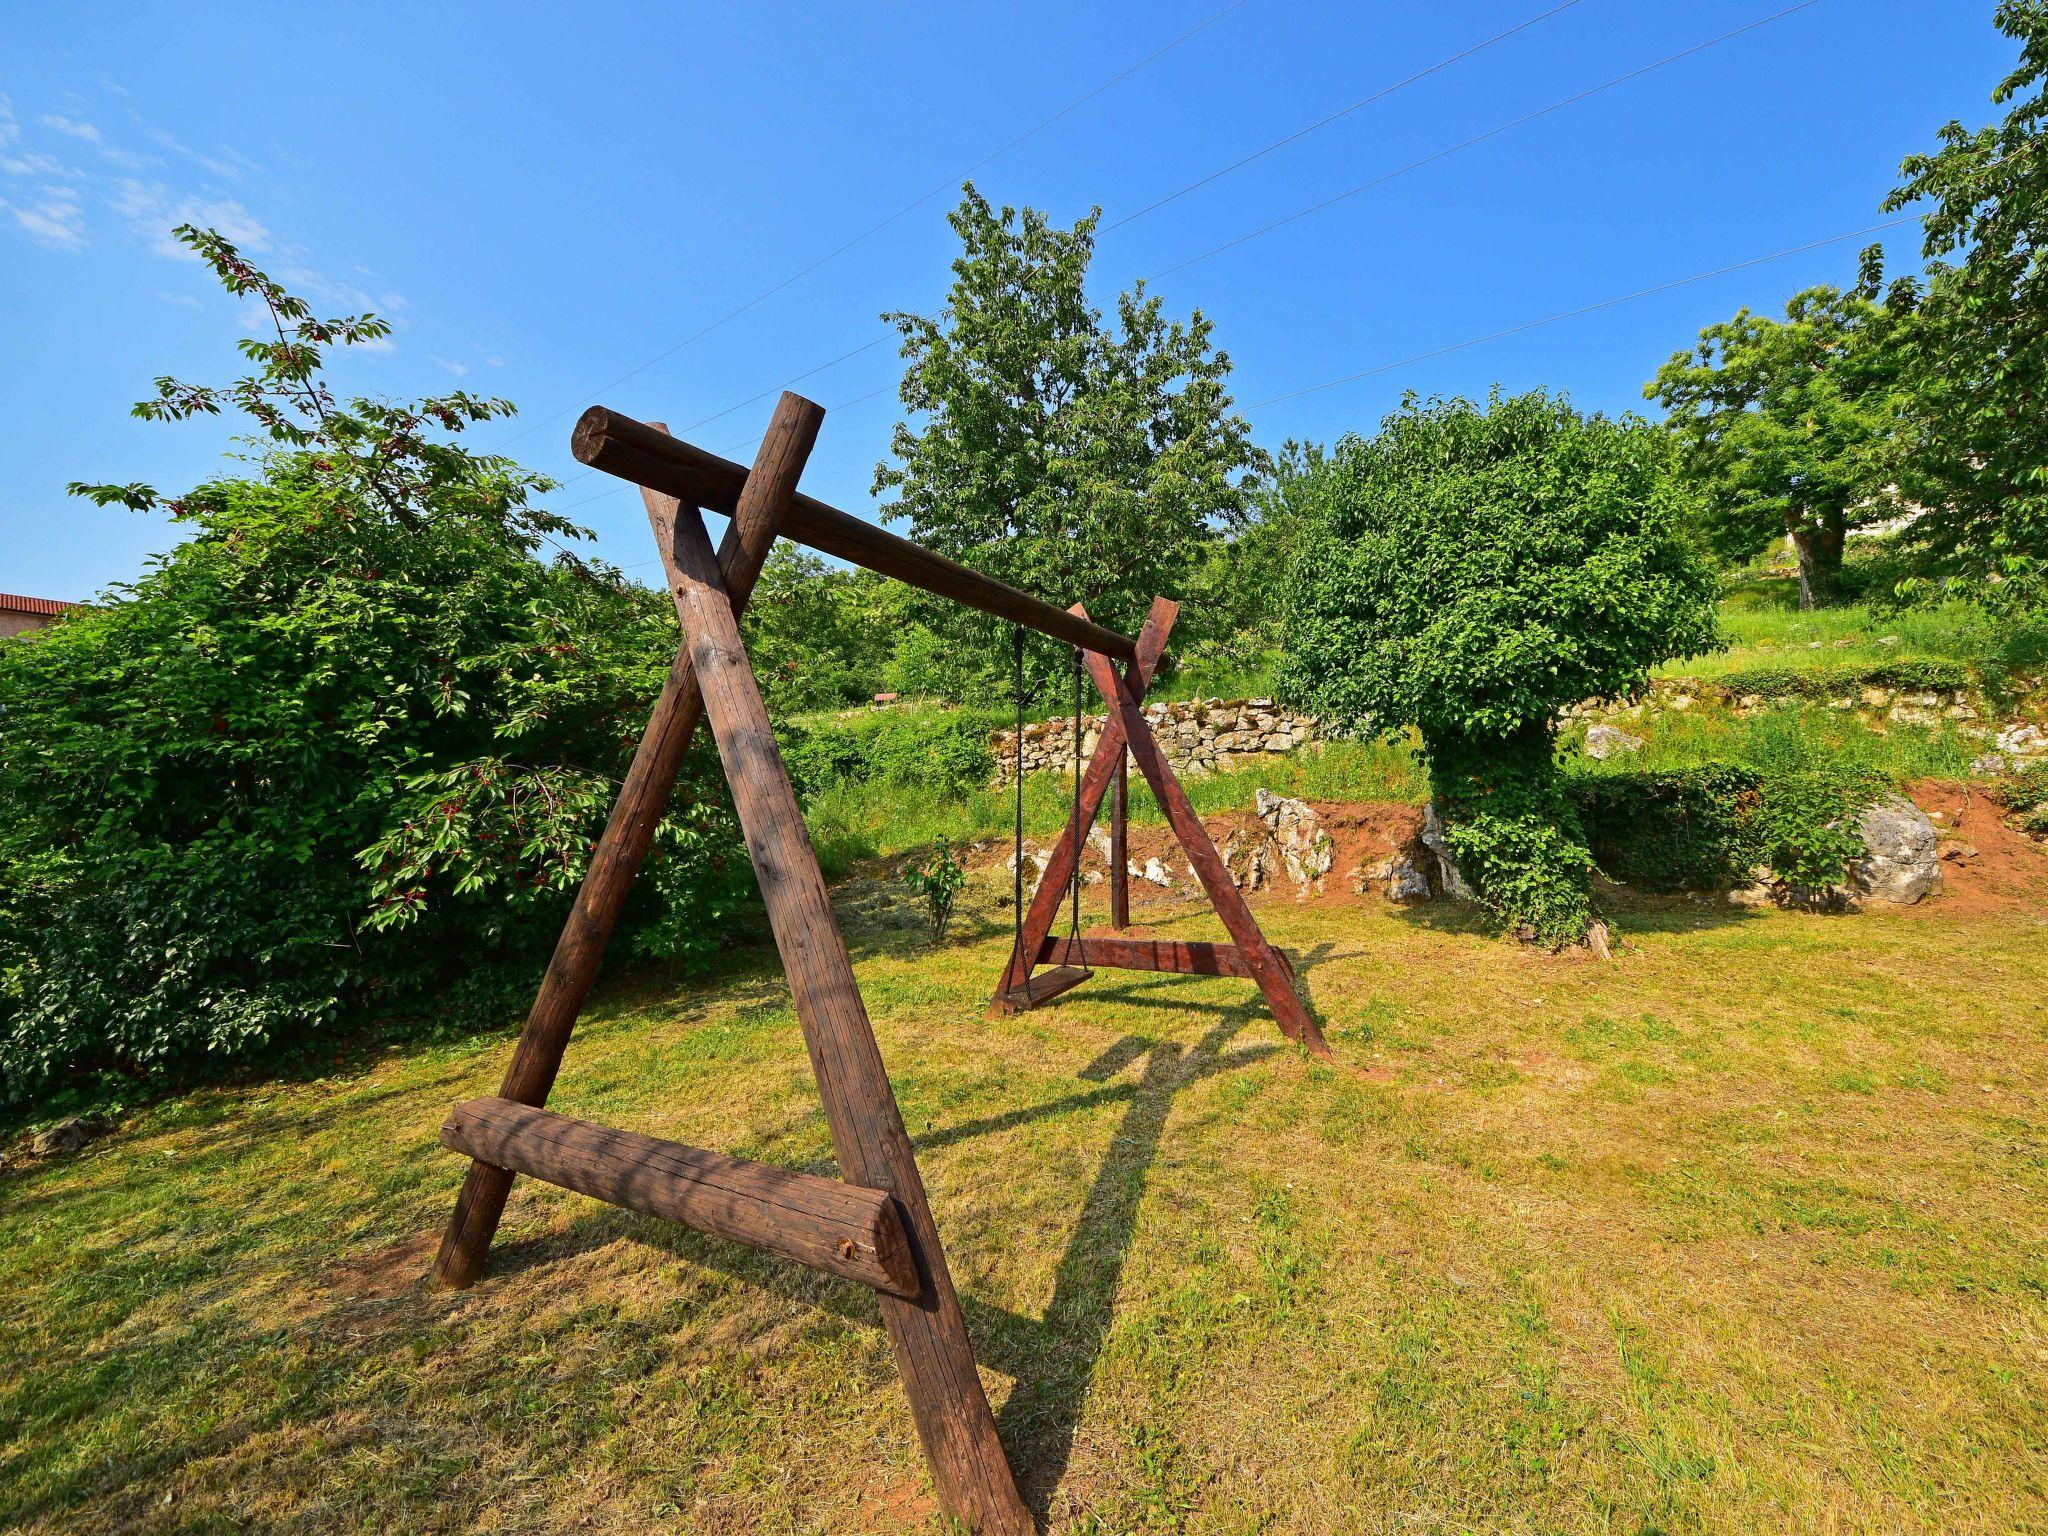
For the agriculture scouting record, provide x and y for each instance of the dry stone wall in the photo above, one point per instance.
(1197, 735)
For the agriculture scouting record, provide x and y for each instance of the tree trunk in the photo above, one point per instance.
(1820, 557)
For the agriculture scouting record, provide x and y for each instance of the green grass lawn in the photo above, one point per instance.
(1746, 1231)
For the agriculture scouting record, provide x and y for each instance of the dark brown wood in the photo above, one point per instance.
(1275, 979)
(642, 801)
(825, 1223)
(1189, 957)
(1052, 882)
(643, 453)
(929, 1334)
(1120, 841)
(1042, 988)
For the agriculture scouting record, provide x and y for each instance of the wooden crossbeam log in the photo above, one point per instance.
(828, 1224)
(636, 451)
(1187, 957)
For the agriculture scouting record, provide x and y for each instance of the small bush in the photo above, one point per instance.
(948, 752)
(1912, 673)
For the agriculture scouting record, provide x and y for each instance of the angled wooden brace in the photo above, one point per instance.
(643, 799)
(1017, 990)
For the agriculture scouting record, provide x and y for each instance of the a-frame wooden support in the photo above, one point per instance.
(875, 1227)
(1126, 736)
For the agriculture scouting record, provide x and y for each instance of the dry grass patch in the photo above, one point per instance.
(1742, 1232)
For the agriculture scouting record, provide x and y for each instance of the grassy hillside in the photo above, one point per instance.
(1559, 1246)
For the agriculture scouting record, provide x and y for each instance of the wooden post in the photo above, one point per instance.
(929, 1334)
(627, 836)
(1052, 884)
(1268, 969)
(1120, 840)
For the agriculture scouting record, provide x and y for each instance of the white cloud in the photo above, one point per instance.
(458, 369)
(182, 300)
(32, 162)
(54, 218)
(10, 130)
(154, 211)
(77, 128)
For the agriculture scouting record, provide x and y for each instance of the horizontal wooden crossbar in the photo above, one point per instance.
(646, 455)
(1189, 957)
(840, 1228)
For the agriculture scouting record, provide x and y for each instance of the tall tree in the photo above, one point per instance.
(1080, 460)
(1788, 426)
(1976, 454)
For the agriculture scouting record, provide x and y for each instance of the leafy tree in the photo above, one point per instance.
(1470, 571)
(1788, 427)
(1976, 454)
(349, 741)
(1079, 460)
(821, 635)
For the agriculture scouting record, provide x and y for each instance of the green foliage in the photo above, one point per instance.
(1913, 673)
(1975, 453)
(1078, 460)
(1685, 830)
(946, 751)
(937, 878)
(821, 636)
(347, 741)
(1712, 826)
(1469, 572)
(1787, 426)
(1514, 832)
(2026, 795)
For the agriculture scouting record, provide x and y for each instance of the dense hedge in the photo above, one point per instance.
(948, 752)
(1914, 674)
(1711, 827)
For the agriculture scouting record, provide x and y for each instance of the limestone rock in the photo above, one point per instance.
(1155, 872)
(1989, 766)
(1603, 741)
(1901, 861)
(1445, 877)
(2023, 740)
(67, 1135)
(1306, 850)
(1407, 881)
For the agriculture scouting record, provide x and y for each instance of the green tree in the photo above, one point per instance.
(1788, 427)
(821, 635)
(1079, 460)
(1976, 454)
(1467, 572)
(348, 742)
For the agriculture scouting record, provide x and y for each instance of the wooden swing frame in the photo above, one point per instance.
(874, 1224)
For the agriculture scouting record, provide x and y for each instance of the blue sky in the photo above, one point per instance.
(545, 200)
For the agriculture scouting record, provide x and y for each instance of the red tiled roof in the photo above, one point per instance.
(9, 603)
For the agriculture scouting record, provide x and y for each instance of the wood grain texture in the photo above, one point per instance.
(929, 1334)
(622, 849)
(636, 451)
(1188, 957)
(829, 1225)
(1095, 780)
(1120, 841)
(1043, 987)
(1275, 978)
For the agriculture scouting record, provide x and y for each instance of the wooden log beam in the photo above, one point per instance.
(646, 455)
(1188, 957)
(628, 834)
(1095, 780)
(928, 1334)
(829, 1225)
(1120, 841)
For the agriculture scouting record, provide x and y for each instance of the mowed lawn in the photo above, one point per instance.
(1746, 1231)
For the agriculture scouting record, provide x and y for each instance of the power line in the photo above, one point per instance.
(1343, 112)
(1584, 309)
(1130, 218)
(1314, 208)
(875, 229)
(1480, 138)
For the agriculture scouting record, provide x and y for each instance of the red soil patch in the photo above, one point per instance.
(2007, 872)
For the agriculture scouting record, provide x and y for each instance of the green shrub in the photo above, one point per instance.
(947, 751)
(1691, 829)
(1710, 827)
(1468, 572)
